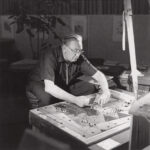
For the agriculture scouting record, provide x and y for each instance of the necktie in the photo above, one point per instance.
(67, 80)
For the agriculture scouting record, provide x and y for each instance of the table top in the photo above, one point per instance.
(85, 124)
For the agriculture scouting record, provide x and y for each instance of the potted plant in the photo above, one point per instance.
(42, 22)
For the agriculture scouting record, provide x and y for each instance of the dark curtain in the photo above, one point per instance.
(51, 6)
(116, 6)
(72, 6)
(112, 6)
(140, 6)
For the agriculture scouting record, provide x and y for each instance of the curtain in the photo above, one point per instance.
(140, 6)
(76, 7)
(116, 6)
(60, 7)
(112, 6)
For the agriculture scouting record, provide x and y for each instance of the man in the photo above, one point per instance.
(55, 76)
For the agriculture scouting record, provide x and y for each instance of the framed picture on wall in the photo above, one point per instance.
(79, 25)
(117, 28)
(6, 30)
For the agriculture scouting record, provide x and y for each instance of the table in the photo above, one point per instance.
(143, 83)
(84, 127)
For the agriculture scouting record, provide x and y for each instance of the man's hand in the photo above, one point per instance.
(102, 98)
(82, 101)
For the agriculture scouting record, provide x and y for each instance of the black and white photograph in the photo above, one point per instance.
(74, 74)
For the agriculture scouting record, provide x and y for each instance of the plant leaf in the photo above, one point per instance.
(20, 27)
(30, 32)
(12, 16)
(53, 22)
(61, 21)
(12, 22)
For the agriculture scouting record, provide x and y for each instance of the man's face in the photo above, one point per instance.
(72, 51)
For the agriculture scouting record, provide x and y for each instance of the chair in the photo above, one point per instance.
(36, 141)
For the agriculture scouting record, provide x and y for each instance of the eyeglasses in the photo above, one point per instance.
(78, 51)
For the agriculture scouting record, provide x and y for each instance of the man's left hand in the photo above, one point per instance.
(102, 98)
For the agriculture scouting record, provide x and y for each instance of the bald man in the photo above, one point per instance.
(55, 76)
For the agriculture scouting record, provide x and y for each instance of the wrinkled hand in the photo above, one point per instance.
(102, 98)
(82, 101)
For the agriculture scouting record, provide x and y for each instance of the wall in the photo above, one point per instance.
(142, 38)
(22, 39)
(99, 41)
(102, 44)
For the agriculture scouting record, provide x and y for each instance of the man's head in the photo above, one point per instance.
(72, 47)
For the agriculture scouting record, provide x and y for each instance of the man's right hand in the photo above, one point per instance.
(82, 101)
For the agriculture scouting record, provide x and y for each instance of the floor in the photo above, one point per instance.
(14, 112)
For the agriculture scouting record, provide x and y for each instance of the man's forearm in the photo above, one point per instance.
(103, 83)
(59, 93)
(101, 79)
